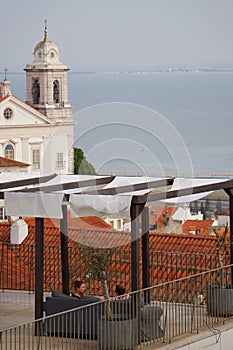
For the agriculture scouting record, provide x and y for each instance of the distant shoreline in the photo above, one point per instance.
(142, 72)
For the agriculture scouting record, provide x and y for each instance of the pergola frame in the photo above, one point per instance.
(137, 208)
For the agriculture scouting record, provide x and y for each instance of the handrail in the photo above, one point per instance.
(175, 308)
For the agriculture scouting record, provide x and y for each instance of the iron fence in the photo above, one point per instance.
(158, 314)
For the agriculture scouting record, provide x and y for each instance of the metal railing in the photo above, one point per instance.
(157, 314)
(17, 267)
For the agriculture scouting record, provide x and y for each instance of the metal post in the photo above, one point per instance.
(64, 251)
(39, 267)
(134, 213)
(230, 194)
(231, 233)
(145, 253)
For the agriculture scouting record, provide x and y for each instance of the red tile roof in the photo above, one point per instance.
(172, 256)
(6, 162)
(197, 226)
(3, 98)
(159, 215)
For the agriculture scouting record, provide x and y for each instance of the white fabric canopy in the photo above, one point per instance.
(182, 183)
(98, 205)
(49, 204)
(15, 176)
(44, 205)
(112, 206)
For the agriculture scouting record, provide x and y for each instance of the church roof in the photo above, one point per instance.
(31, 109)
(6, 162)
(2, 98)
(46, 52)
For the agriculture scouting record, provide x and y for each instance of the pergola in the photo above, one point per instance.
(41, 196)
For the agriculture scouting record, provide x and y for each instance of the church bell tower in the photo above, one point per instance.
(46, 82)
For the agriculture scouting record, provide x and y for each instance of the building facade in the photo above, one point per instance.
(40, 131)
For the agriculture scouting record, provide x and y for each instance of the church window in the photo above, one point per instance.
(36, 158)
(8, 113)
(9, 151)
(60, 161)
(56, 91)
(36, 91)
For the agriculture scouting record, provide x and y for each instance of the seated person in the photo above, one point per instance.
(120, 290)
(79, 290)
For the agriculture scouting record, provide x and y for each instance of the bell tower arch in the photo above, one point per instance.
(47, 82)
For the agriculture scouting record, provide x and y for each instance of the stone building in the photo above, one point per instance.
(40, 131)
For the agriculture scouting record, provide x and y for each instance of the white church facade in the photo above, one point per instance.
(40, 131)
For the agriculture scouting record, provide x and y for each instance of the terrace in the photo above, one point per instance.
(185, 319)
(131, 198)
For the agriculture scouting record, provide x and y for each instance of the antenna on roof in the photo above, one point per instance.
(45, 30)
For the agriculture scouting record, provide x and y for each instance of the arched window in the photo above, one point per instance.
(56, 91)
(9, 151)
(36, 91)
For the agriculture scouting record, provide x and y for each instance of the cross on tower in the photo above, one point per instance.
(45, 30)
(5, 73)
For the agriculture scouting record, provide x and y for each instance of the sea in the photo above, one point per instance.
(143, 123)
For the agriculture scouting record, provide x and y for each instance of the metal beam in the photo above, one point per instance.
(26, 181)
(182, 192)
(133, 187)
(64, 251)
(39, 267)
(72, 185)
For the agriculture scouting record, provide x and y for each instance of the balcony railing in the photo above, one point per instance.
(158, 314)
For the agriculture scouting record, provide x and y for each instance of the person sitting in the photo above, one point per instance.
(79, 290)
(120, 290)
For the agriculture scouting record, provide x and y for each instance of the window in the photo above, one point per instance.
(9, 152)
(119, 224)
(8, 113)
(36, 91)
(112, 223)
(60, 164)
(36, 158)
(2, 214)
(56, 91)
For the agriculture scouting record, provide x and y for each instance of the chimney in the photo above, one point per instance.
(19, 231)
(5, 88)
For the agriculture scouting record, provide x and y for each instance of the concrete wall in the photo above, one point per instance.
(221, 340)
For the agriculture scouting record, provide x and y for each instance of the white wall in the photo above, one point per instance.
(219, 341)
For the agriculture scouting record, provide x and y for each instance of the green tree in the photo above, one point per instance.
(81, 165)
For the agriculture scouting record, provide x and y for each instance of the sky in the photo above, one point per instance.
(92, 34)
